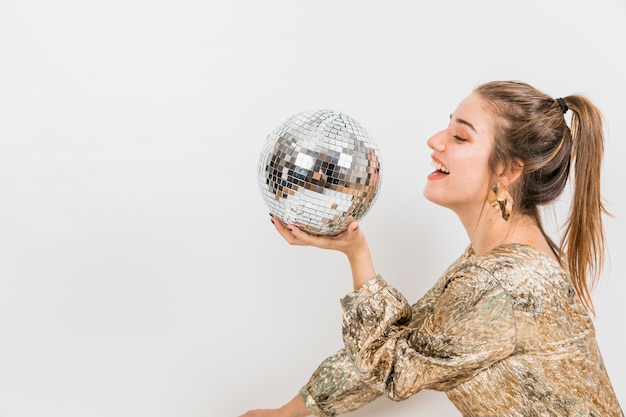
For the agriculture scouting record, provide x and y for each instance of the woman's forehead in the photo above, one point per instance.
(472, 112)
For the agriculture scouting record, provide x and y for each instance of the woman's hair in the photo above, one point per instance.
(530, 128)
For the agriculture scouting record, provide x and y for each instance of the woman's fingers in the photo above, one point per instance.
(283, 229)
(294, 235)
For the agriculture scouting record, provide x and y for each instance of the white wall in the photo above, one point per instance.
(139, 272)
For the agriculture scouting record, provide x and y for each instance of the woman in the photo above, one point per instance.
(506, 331)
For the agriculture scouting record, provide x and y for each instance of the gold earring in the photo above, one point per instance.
(500, 199)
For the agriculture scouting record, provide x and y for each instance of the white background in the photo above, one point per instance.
(139, 272)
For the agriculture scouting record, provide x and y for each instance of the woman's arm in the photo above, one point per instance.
(333, 389)
(471, 325)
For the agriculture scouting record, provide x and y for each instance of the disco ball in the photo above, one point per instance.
(319, 169)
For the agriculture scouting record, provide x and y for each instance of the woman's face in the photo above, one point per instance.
(460, 156)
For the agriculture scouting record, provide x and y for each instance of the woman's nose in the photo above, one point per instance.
(436, 142)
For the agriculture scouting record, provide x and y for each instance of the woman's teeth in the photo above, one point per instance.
(440, 167)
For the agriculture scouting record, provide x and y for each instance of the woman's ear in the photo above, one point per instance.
(508, 175)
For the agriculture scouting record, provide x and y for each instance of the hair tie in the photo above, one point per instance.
(561, 102)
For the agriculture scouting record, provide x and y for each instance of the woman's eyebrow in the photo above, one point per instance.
(464, 122)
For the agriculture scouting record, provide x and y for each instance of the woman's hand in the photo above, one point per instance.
(294, 408)
(351, 242)
(347, 241)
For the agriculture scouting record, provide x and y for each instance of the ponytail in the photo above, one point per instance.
(583, 238)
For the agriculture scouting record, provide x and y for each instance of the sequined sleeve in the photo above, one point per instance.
(335, 388)
(468, 328)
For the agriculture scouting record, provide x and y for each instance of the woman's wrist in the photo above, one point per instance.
(362, 267)
(294, 408)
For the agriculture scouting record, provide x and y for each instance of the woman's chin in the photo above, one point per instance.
(430, 195)
(435, 198)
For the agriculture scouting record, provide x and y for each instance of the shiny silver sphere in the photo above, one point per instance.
(320, 169)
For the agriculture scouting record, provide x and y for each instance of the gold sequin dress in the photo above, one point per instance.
(502, 334)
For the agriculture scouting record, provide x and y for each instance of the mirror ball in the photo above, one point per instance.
(320, 169)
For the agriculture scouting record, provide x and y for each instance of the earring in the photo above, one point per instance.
(500, 199)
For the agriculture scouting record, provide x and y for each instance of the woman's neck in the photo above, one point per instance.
(488, 230)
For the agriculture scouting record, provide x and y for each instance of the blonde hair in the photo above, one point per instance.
(530, 127)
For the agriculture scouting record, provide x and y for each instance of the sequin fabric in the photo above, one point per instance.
(502, 334)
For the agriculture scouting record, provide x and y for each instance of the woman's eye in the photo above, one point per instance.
(459, 139)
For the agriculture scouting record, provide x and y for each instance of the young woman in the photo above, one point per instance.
(506, 331)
